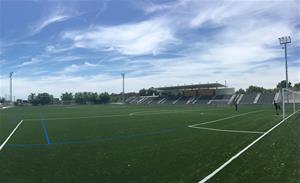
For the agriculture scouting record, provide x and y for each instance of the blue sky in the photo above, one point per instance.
(58, 46)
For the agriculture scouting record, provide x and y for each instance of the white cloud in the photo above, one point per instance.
(32, 61)
(57, 15)
(148, 37)
(227, 40)
(66, 58)
(57, 49)
(150, 7)
(77, 67)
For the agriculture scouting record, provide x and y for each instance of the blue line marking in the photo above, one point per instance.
(43, 123)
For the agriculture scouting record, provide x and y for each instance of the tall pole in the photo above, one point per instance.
(286, 68)
(284, 41)
(123, 88)
(283, 103)
(10, 86)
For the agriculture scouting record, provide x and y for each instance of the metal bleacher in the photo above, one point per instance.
(221, 99)
(203, 99)
(255, 98)
(248, 98)
(266, 98)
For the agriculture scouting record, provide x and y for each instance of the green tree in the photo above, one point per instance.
(143, 92)
(2, 100)
(240, 91)
(93, 98)
(56, 101)
(151, 91)
(32, 99)
(282, 84)
(66, 96)
(255, 89)
(297, 86)
(44, 98)
(104, 98)
(79, 99)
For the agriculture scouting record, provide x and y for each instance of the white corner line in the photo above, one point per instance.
(3, 144)
(222, 119)
(224, 130)
(243, 150)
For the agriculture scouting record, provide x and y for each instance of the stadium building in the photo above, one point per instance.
(210, 93)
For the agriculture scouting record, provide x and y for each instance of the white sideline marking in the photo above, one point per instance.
(6, 107)
(232, 131)
(162, 112)
(3, 144)
(243, 150)
(221, 119)
(114, 115)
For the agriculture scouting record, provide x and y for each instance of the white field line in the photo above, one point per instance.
(114, 115)
(162, 112)
(3, 144)
(6, 107)
(222, 119)
(243, 150)
(231, 131)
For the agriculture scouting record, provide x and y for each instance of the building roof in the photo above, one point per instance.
(193, 86)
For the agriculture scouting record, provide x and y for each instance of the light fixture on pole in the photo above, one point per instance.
(284, 41)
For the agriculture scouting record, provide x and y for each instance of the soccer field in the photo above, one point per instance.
(123, 143)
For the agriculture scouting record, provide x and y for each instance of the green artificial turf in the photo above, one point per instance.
(123, 143)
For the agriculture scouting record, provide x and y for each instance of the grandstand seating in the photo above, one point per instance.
(248, 98)
(220, 99)
(170, 100)
(177, 99)
(134, 100)
(182, 100)
(203, 99)
(266, 98)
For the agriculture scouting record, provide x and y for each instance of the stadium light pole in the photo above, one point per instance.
(123, 88)
(10, 85)
(284, 41)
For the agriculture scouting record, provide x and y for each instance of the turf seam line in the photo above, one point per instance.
(223, 130)
(243, 150)
(222, 119)
(43, 123)
(10, 135)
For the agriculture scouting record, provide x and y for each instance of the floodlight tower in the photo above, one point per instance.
(123, 88)
(10, 85)
(284, 41)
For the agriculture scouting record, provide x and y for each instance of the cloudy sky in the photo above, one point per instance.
(58, 46)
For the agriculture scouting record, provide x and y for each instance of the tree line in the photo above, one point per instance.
(257, 89)
(70, 98)
(148, 92)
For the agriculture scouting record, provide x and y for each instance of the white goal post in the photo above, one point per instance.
(290, 100)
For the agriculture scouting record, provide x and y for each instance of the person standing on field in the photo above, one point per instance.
(236, 105)
(276, 107)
